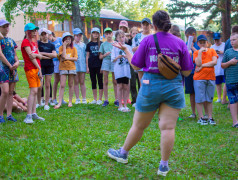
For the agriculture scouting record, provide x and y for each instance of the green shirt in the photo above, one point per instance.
(231, 73)
(104, 48)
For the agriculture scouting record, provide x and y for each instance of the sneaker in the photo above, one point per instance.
(84, 101)
(122, 109)
(134, 105)
(42, 102)
(99, 102)
(11, 118)
(28, 120)
(218, 101)
(193, 116)
(2, 120)
(46, 107)
(105, 103)
(77, 101)
(35, 116)
(126, 109)
(202, 121)
(205, 117)
(199, 121)
(93, 102)
(52, 103)
(55, 101)
(64, 102)
(128, 101)
(37, 105)
(211, 121)
(116, 103)
(116, 155)
(163, 170)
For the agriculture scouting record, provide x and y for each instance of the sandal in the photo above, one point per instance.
(235, 126)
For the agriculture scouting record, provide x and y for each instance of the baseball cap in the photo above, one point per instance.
(123, 23)
(146, 20)
(3, 22)
(216, 36)
(43, 30)
(107, 29)
(66, 34)
(77, 31)
(201, 37)
(95, 29)
(49, 32)
(30, 27)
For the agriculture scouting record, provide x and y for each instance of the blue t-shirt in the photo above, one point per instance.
(227, 45)
(57, 43)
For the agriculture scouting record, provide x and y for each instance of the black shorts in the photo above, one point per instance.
(47, 70)
(123, 80)
(189, 89)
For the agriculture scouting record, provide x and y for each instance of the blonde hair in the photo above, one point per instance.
(175, 31)
(134, 29)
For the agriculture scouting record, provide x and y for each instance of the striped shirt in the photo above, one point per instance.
(231, 73)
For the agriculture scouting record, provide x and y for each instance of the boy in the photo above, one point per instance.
(229, 63)
(107, 65)
(204, 79)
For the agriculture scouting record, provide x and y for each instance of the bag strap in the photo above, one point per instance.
(157, 43)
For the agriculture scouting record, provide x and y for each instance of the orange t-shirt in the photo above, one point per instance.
(68, 65)
(206, 73)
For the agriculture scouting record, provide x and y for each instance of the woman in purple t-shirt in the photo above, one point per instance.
(156, 91)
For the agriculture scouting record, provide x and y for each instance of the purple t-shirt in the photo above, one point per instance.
(146, 55)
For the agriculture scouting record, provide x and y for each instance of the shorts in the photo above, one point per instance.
(80, 66)
(156, 89)
(123, 80)
(189, 89)
(107, 65)
(220, 79)
(47, 70)
(204, 90)
(232, 92)
(66, 72)
(56, 66)
(33, 78)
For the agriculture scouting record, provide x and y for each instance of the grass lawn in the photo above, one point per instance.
(72, 144)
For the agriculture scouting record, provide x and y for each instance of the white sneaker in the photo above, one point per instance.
(192, 116)
(35, 116)
(84, 101)
(218, 101)
(126, 109)
(64, 102)
(93, 102)
(55, 102)
(37, 105)
(51, 103)
(77, 101)
(99, 102)
(122, 109)
(42, 102)
(46, 107)
(28, 120)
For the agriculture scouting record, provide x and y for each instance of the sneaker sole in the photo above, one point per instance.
(204, 124)
(29, 122)
(120, 160)
(162, 173)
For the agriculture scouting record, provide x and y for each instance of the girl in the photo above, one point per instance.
(47, 66)
(121, 70)
(80, 66)
(94, 65)
(67, 54)
(8, 74)
(32, 69)
(107, 65)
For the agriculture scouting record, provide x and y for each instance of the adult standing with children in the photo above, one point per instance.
(156, 91)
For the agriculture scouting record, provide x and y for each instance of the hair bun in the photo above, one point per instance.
(167, 26)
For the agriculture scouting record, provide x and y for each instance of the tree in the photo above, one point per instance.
(221, 11)
(135, 9)
(61, 10)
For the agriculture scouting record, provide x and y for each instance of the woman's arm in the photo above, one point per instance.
(16, 64)
(186, 73)
(50, 55)
(87, 56)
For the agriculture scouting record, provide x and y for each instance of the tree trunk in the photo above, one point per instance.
(77, 19)
(226, 20)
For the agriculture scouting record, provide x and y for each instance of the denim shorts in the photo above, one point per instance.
(232, 92)
(156, 89)
(56, 66)
(204, 90)
(66, 72)
(107, 65)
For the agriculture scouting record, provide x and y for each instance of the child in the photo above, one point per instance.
(32, 69)
(107, 65)
(219, 47)
(229, 63)
(80, 66)
(94, 65)
(8, 70)
(47, 49)
(67, 55)
(121, 70)
(204, 79)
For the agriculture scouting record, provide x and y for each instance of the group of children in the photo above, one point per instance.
(69, 58)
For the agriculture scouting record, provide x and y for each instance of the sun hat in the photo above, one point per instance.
(67, 34)
(95, 29)
(107, 29)
(30, 27)
(77, 31)
(3, 22)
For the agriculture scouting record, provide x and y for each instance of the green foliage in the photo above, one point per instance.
(135, 9)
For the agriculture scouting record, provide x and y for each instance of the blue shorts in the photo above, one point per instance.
(232, 92)
(220, 79)
(107, 65)
(189, 89)
(204, 90)
(156, 89)
(56, 66)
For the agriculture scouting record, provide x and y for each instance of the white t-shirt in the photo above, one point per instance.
(218, 69)
(121, 66)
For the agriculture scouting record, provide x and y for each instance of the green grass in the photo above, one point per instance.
(72, 144)
(19, 55)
